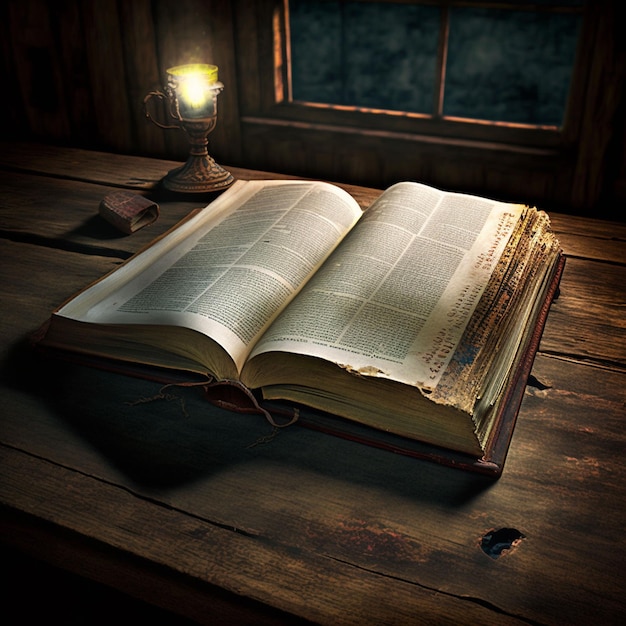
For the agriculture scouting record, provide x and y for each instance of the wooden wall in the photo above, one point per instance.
(76, 72)
(79, 70)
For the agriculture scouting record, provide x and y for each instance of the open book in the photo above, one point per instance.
(417, 319)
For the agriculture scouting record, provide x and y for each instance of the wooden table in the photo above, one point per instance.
(183, 507)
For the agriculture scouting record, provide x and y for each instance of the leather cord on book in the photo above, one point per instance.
(232, 395)
(161, 395)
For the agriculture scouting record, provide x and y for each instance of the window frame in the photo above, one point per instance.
(571, 160)
(275, 94)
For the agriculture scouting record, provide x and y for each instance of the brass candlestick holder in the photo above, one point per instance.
(191, 102)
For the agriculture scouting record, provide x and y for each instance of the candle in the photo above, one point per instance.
(190, 100)
(195, 88)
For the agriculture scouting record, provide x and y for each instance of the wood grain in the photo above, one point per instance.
(178, 503)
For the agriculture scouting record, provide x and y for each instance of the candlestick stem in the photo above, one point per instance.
(200, 173)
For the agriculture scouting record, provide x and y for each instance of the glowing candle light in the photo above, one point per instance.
(192, 92)
(194, 87)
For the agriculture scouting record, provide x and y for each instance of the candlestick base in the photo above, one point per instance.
(200, 174)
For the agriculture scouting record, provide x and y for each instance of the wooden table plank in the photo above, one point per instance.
(379, 512)
(34, 280)
(587, 321)
(303, 582)
(152, 496)
(118, 170)
(56, 212)
(599, 239)
(324, 499)
(305, 491)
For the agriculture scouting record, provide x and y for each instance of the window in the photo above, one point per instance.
(513, 99)
(511, 63)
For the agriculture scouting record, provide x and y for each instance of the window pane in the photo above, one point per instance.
(510, 66)
(375, 55)
(316, 45)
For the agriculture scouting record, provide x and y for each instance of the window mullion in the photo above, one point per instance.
(442, 55)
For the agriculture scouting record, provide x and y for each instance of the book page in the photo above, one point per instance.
(395, 297)
(229, 270)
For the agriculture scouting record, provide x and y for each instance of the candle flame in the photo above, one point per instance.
(193, 90)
